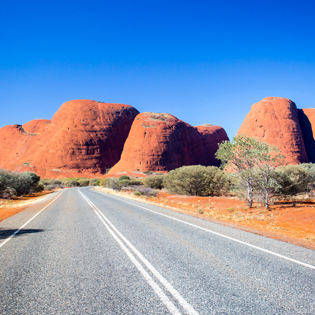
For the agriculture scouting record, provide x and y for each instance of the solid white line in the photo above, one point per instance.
(17, 231)
(216, 233)
(166, 301)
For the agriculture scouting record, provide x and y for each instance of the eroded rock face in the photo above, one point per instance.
(161, 142)
(84, 138)
(275, 120)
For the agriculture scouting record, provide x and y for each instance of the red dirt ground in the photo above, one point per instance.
(295, 225)
(10, 207)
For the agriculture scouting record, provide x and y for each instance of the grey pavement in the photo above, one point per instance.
(93, 253)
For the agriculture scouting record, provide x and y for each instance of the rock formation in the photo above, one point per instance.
(161, 142)
(275, 120)
(307, 123)
(83, 138)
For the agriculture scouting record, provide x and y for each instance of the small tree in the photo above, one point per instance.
(254, 163)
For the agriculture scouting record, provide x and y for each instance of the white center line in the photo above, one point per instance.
(17, 231)
(172, 308)
(216, 233)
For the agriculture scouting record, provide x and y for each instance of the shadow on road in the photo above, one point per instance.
(5, 233)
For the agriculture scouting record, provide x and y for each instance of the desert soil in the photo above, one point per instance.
(293, 224)
(10, 207)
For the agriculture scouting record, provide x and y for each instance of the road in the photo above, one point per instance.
(82, 251)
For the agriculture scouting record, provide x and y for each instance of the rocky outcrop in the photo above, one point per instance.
(307, 123)
(161, 142)
(275, 120)
(36, 126)
(84, 137)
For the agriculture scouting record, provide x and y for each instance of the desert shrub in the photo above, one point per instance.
(35, 179)
(8, 193)
(112, 183)
(39, 187)
(292, 180)
(83, 182)
(153, 193)
(215, 181)
(22, 183)
(12, 183)
(5, 179)
(94, 182)
(124, 182)
(45, 181)
(145, 191)
(137, 193)
(49, 187)
(155, 182)
(103, 182)
(310, 169)
(123, 177)
(73, 183)
(135, 182)
(197, 180)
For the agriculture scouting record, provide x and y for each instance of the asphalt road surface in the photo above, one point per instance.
(86, 252)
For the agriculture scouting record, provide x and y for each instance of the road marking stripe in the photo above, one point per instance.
(17, 231)
(189, 309)
(216, 233)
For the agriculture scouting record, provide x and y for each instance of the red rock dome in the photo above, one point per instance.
(275, 120)
(84, 137)
(161, 142)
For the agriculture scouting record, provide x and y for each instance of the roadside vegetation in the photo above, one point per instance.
(252, 170)
(18, 184)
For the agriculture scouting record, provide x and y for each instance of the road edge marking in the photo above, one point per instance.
(159, 292)
(216, 233)
(17, 231)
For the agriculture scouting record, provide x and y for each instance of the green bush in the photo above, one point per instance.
(73, 183)
(83, 182)
(103, 182)
(153, 193)
(8, 193)
(292, 180)
(216, 182)
(197, 180)
(35, 179)
(111, 182)
(49, 187)
(22, 183)
(155, 182)
(40, 187)
(123, 177)
(137, 193)
(94, 182)
(135, 182)
(124, 182)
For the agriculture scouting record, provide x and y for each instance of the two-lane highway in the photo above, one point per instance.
(86, 252)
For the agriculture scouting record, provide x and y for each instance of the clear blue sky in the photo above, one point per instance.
(202, 61)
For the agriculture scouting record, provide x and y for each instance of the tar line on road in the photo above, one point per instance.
(128, 247)
(31, 219)
(219, 234)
